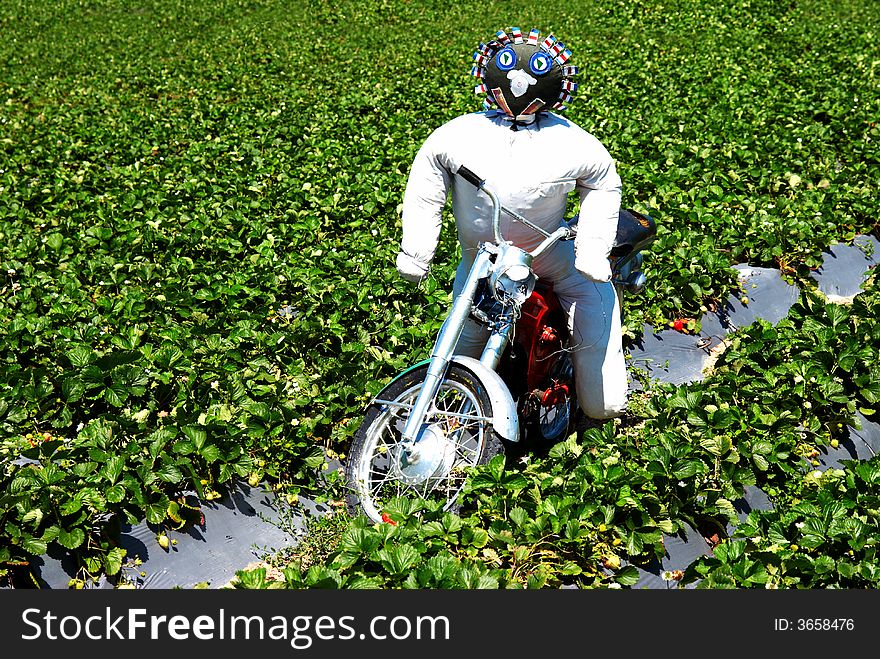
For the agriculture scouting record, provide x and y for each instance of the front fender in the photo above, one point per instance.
(505, 420)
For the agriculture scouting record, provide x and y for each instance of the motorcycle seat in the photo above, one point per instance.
(635, 231)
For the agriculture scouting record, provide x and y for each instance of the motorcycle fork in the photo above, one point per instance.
(444, 346)
(495, 346)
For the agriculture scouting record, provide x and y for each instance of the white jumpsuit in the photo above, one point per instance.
(532, 170)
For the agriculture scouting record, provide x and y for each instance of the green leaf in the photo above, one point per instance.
(475, 536)
(514, 482)
(113, 560)
(667, 526)
(160, 439)
(92, 377)
(314, 458)
(23, 483)
(168, 356)
(115, 493)
(81, 356)
(433, 528)
(170, 474)
(495, 468)
(183, 447)
(34, 546)
(50, 474)
(50, 534)
(54, 241)
(483, 481)
(157, 511)
(210, 453)
(83, 469)
(398, 560)
(688, 469)
(442, 568)
(823, 564)
(71, 539)
(72, 389)
(726, 507)
(227, 471)
(713, 445)
(625, 498)
(360, 540)
(519, 516)
(197, 436)
(34, 516)
(116, 394)
(71, 506)
(627, 576)
(113, 469)
(634, 544)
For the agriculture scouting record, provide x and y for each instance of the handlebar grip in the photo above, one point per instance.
(470, 177)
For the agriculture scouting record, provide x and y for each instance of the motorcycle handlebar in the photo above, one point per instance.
(567, 234)
(470, 177)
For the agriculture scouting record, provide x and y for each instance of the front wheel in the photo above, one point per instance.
(457, 435)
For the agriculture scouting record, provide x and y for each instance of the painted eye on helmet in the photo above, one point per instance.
(540, 63)
(506, 59)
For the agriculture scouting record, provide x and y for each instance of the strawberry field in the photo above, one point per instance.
(199, 214)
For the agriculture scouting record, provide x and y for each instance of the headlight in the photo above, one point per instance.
(511, 277)
(515, 282)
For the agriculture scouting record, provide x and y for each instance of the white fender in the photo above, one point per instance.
(505, 420)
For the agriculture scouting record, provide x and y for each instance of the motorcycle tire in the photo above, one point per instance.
(461, 436)
(553, 421)
(548, 414)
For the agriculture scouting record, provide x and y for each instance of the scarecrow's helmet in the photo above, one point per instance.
(522, 76)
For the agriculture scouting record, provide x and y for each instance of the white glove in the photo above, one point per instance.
(591, 260)
(411, 269)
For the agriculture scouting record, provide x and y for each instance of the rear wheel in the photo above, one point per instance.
(549, 413)
(554, 413)
(457, 435)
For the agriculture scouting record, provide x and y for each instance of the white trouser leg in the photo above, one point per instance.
(597, 345)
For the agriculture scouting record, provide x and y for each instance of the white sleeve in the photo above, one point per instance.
(423, 201)
(599, 187)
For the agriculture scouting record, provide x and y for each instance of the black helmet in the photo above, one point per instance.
(522, 76)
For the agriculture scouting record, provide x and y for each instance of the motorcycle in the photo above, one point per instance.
(442, 416)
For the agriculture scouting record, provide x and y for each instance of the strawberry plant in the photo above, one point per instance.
(827, 538)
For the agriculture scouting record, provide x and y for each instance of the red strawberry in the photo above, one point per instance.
(387, 519)
(678, 325)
